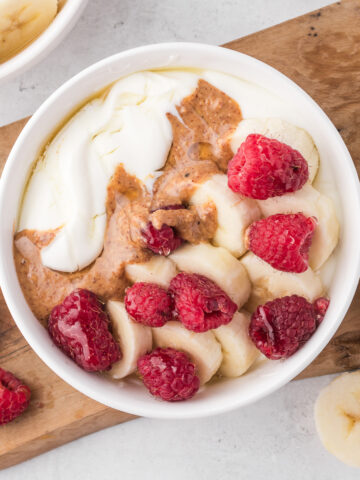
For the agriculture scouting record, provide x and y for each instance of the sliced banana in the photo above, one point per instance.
(239, 352)
(202, 348)
(135, 339)
(337, 417)
(285, 132)
(158, 270)
(217, 264)
(21, 21)
(234, 212)
(312, 204)
(268, 283)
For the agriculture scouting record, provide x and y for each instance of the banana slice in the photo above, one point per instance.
(312, 204)
(234, 212)
(202, 348)
(134, 339)
(337, 417)
(158, 270)
(21, 21)
(217, 264)
(285, 132)
(239, 352)
(269, 283)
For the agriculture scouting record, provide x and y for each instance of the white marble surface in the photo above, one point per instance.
(274, 438)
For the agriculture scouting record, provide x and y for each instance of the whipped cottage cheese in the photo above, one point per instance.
(152, 152)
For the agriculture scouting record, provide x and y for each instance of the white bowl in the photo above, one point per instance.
(49, 39)
(129, 395)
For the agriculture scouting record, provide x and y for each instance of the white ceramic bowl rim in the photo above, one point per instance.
(130, 398)
(49, 39)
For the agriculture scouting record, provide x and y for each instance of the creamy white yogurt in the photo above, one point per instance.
(67, 189)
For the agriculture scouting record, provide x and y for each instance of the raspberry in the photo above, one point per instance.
(165, 240)
(14, 397)
(200, 303)
(264, 167)
(162, 241)
(169, 374)
(149, 304)
(280, 327)
(80, 328)
(283, 241)
(321, 305)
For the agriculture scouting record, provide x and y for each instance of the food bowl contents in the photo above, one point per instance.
(21, 22)
(14, 397)
(337, 416)
(171, 229)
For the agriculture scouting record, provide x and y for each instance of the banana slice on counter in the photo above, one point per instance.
(217, 264)
(135, 339)
(312, 204)
(234, 212)
(158, 270)
(268, 283)
(21, 21)
(202, 348)
(285, 132)
(337, 417)
(239, 352)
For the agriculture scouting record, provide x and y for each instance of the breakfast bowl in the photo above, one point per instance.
(47, 39)
(338, 172)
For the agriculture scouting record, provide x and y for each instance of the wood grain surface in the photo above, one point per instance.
(321, 52)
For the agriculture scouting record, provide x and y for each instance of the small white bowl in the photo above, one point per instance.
(49, 39)
(129, 395)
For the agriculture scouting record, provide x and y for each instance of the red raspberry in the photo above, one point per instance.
(280, 327)
(321, 305)
(165, 240)
(169, 374)
(264, 167)
(200, 303)
(149, 304)
(283, 241)
(80, 328)
(14, 397)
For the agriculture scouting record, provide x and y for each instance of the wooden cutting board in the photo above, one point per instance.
(321, 52)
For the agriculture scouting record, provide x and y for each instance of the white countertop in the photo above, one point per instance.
(274, 438)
